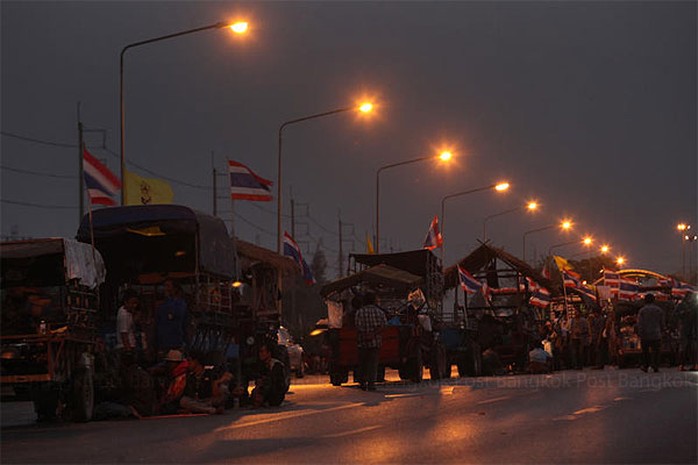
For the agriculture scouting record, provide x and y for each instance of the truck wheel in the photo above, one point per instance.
(337, 377)
(83, 396)
(437, 367)
(471, 364)
(380, 374)
(403, 372)
(46, 405)
(462, 367)
(415, 367)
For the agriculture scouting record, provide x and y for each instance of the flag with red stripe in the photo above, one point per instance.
(101, 184)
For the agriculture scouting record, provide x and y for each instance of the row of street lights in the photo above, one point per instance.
(241, 27)
(364, 107)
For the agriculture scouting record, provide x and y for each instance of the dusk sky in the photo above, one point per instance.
(588, 107)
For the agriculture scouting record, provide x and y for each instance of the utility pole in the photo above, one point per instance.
(341, 252)
(215, 185)
(81, 177)
(293, 218)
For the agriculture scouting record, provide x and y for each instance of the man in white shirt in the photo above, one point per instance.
(125, 328)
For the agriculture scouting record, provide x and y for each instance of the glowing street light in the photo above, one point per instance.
(499, 187)
(620, 261)
(238, 27)
(564, 225)
(366, 107)
(587, 240)
(363, 107)
(530, 206)
(605, 248)
(444, 156)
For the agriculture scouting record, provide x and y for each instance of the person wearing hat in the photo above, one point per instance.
(171, 378)
(650, 324)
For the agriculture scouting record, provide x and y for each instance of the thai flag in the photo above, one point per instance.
(612, 280)
(680, 289)
(468, 282)
(628, 289)
(101, 183)
(292, 250)
(434, 239)
(246, 185)
(572, 279)
(540, 296)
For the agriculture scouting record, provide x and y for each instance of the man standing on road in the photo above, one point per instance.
(370, 321)
(125, 328)
(650, 323)
(171, 319)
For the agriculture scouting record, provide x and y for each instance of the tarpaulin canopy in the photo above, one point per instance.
(414, 261)
(79, 261)
(380, 275)
(479, 258)
(177, 237)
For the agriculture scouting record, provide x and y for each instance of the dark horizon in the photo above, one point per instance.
(589, 107)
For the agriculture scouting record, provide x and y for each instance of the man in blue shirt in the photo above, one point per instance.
(171, 319)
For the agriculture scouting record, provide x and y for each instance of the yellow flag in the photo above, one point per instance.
(562, 263)
(146, 191)
(369, 245)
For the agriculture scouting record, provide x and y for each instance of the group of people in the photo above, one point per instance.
(180, 379)
(575, 340)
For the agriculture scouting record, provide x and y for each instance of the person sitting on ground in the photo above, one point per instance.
(539, 361)
(204, 392)
(491, 363)
(171, 376)
(270, 389)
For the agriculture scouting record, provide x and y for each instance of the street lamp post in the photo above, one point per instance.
(565, 225)
(445, 156)
(364, 108)
(500, 187)
(530, 206)
(682, 228)
(238, 28)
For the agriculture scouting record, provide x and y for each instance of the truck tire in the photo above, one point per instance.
(380, 374)
(83, 396)
(471, 364)
(437, 367)
(46, 404)
(415, 367)
(337, 377)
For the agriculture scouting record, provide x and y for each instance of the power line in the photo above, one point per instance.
(153, 173)
(259, 228)
(266, 210)
(39, 141)
(108, 150)
(37, 173)
(36, 205)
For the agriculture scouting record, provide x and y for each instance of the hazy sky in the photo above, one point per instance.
(590, 107)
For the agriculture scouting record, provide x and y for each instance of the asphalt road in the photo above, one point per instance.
(586, 416)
